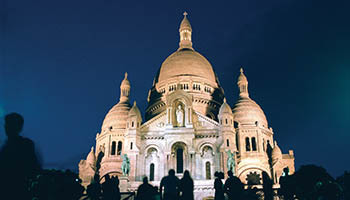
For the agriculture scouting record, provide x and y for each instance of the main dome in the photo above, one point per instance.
(186, 62)
(189, 71)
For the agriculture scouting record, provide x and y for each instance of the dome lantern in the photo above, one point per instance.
(185, 34)
(242, 83)
(124, 89)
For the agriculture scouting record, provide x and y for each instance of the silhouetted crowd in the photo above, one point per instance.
(22, 178)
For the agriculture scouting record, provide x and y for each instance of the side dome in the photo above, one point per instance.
(247, 111)
(117, 116)
(135, 111)
(276, 153)
(186, 62)
(225, 108)
(91, 158)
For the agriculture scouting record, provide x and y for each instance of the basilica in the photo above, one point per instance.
(188, 125)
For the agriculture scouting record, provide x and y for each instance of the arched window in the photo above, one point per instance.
(179, 160)
(132, 124)
(228, 142)
(247, 144)
(151, 172)
(113, 148)
(207, 170)
(131, 145)
(253, 144)
(119, 151)
(226, 121)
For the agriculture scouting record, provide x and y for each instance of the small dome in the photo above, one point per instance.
(276, 153)
(91, 158)
(116, 117)
(225, 109)
(134, 111)
(179, 63)
(246, 111)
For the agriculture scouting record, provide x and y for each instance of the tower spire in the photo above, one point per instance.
(242, 83)
(185, 33)
(124, 89)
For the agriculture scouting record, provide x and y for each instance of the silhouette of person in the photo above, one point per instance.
(285, 189)
(94, 189)
(145, 191)
(233, 187)
(115, 188)
(267, 186)
(170, 184)
(107, 187)
(186, 186)
(18, 161)
(219, 186)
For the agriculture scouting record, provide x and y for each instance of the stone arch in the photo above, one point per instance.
(152, 146)
(152, 161)
(201, 145)
(171, 144)
(180, 157)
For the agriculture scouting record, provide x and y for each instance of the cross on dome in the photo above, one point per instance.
(185, 13)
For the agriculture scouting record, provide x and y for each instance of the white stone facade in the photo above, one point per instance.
(189, 126)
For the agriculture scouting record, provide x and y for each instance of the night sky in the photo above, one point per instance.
(61, 64)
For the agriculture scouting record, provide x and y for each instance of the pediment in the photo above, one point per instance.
(203, 122)
(157, 123)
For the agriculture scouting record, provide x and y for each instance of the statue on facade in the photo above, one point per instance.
(179, 116)
(231, 164)
(125, 165)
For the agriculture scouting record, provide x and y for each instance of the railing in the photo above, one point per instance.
(127, 195)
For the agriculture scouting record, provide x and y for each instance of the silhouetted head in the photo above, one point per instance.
(187, 174)
(217, 174)
(229, 173)
(286, 171)
(13, 124)
(221, 175)
(171, 172)
(145, 179)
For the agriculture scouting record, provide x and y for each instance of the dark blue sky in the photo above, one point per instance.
(61, 63)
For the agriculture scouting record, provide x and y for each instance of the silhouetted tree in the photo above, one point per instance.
(344, 182)
(56, 185)
(186, 186)
(18, 161)
(313, 182)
